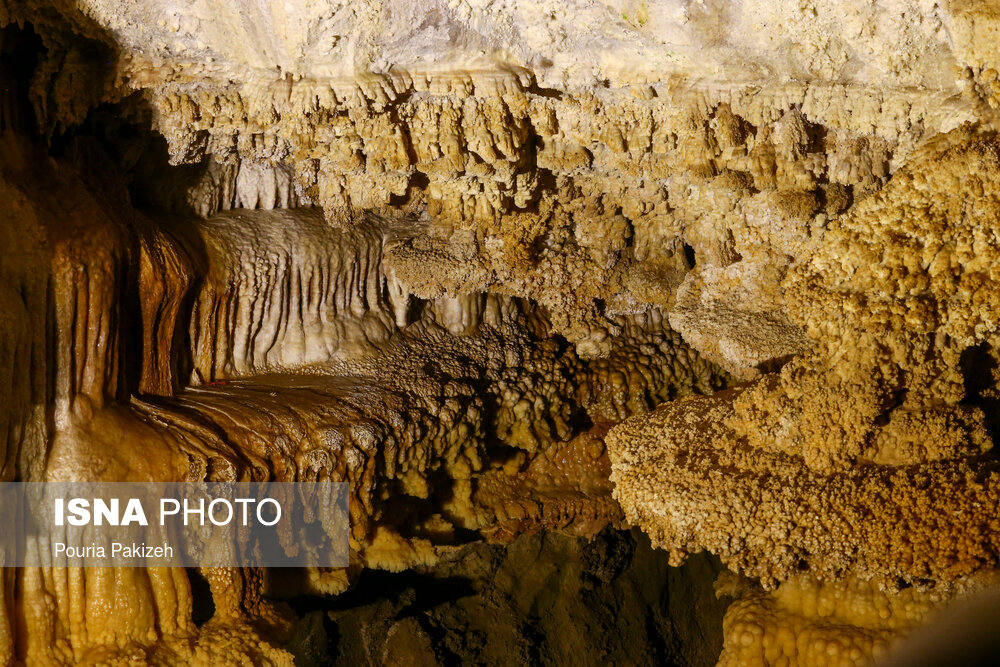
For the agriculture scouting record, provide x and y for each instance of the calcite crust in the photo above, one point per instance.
(725, 271)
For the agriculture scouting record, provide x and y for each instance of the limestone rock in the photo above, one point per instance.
(500, 266)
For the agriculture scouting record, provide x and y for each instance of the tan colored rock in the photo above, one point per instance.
(272, 347)
(438, 249)
(805, 622)
(867, 454)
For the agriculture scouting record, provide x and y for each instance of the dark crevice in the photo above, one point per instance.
(202, 603)
(20, 51)
(689, 256)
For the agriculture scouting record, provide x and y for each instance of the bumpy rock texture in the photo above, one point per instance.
(501, 267)
(274, 347)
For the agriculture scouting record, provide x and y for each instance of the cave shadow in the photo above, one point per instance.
(979, 369)
(411, 593)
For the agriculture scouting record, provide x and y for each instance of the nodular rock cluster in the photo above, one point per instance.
(728, 272)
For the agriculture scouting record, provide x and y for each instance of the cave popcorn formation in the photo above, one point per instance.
(524, 275)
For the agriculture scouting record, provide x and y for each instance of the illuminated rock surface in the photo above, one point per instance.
(527, 276)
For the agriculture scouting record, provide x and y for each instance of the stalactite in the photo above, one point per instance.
(722, 272)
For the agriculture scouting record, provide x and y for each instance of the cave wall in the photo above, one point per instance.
(726, 272)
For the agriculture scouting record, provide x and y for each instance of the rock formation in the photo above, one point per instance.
(526, 276)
